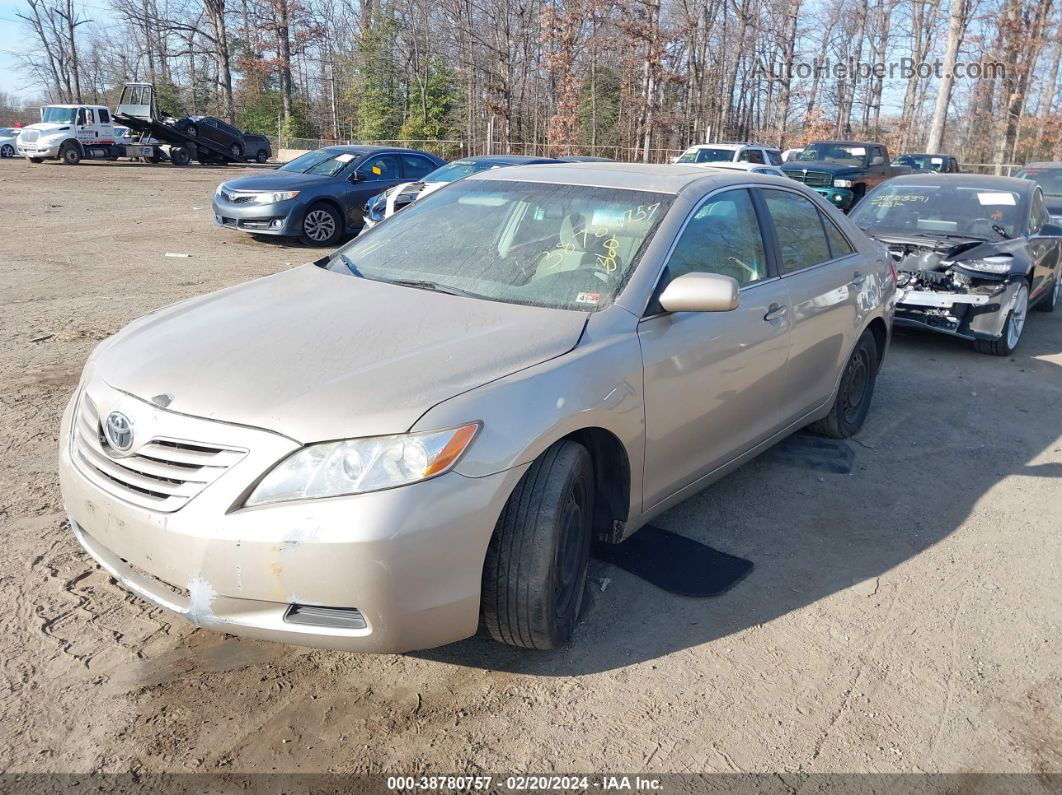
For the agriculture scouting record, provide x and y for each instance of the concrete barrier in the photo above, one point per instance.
(284, 155)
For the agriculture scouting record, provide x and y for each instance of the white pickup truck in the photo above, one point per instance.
(71, 133)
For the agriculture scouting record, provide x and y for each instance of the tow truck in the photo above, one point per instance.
(72, 133)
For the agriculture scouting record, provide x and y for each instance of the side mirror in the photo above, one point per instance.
(700, 292)
(355, 177)
(1051, 230)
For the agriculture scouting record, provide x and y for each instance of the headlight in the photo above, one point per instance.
(842, 183)
(354, 466)
(269, 197)
(986, 265)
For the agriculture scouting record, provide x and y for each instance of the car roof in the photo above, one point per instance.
(924, 154)
(361, 149)
(1044, 164)
(505, 160)
(672, 179)
(986, 181)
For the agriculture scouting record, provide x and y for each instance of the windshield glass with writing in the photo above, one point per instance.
(942, 211)
(834, 153)
(1049, 179)
(559, 246)
(326, 162)
(55, 115)
(706, 155)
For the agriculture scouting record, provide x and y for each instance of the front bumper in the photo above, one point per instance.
(971, 316)
(839, 197)
(282, 218)
(40, 149)
(408, 560)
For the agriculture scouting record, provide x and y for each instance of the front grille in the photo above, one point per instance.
(163, 474)
(813, 179)
(237, 198)
(29, 136)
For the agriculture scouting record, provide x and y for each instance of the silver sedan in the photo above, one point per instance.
(379, 450)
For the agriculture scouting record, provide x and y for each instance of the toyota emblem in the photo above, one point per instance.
(119, 431)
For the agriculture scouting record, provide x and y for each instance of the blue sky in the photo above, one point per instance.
(12, 39)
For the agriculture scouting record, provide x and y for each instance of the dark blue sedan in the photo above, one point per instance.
(319, 196)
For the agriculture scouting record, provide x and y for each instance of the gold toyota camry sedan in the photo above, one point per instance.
(423, 432)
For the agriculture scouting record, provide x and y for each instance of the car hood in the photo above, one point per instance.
(816, 165)
(277, 180)
(45, 128)
(317, 355)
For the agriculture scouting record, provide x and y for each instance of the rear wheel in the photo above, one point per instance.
(180, 156)
(852, 403)
(7, 150)
(192, 131)
(1012, 328)
(534, 575)
(70, 154)
(321, 226)
(236, 151)
(262, 156)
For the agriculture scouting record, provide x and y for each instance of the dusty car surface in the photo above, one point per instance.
(974, 253)
(378, 450)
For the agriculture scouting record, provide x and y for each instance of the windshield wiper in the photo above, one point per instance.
(435, 287)
(351, 266)
(999, 230)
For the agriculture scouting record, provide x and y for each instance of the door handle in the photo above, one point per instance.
(858, 278)
(775, 312)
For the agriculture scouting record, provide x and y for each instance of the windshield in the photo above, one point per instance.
(459, 169)
(834, 153)
(56, 115)
(942, 211)
(1049, 179)
(326, 162)
(559, 246)
(705, 155)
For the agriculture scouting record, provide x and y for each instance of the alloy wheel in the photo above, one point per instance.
(319, 226)
(7, 151)
(1017, 316)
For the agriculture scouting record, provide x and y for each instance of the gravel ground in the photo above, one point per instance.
(905, 617)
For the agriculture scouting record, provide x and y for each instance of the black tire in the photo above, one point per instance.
(321, 225)
(180, 156)
(36, 159)
(7, 150)
(1007, 342)
(191, 131)
(70, 154)
(534, 575)
(852, 404)
(1050, 301)
(262, 156)
(236, 151)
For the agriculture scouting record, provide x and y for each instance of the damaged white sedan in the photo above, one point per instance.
(973, 253)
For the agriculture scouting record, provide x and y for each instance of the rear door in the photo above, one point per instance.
(416, 167)
(712, 379)
(821, 271)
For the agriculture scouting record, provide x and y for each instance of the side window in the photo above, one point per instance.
(90, 117)
(839, 245)
(415, 166)
(774, 157)
(723, 236)
(801, 238)
(105, 117)
(743, 156)
(1039, 215)
(380, 167)
(80, 115)
(755, 156)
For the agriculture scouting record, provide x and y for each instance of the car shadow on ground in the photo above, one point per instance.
(145, 164)
(947, 425)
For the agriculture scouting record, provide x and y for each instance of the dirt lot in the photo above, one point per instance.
(904, 617)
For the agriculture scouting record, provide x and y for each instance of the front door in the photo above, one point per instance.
(713, 379)
(373, 175)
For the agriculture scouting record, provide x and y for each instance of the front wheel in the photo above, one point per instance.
(321, 226)
(1012, 328)
(236, 151)
(70, 155)
(852, 404)
(7, 150)
(534, 576)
